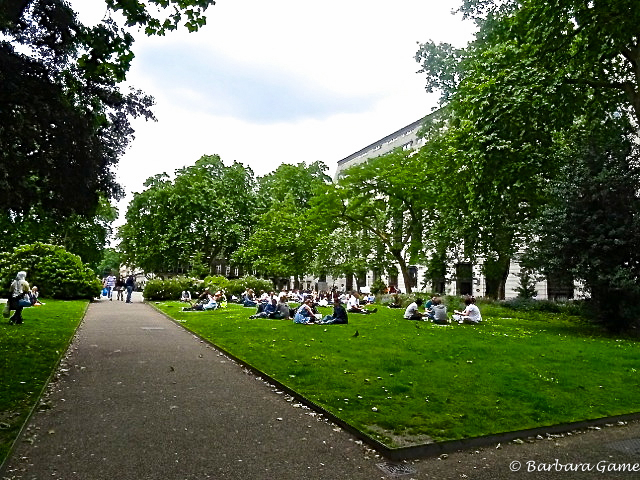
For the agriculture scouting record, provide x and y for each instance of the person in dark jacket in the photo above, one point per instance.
(339, 315)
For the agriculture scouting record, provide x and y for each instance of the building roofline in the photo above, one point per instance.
(382, 141)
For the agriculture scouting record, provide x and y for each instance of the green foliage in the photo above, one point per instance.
(203, 215)
(110, 262)
(283, 242)
(591, 228)
(64, 121)
(376, 214)
(216, 282)
(527, 284)
(56, 272)
(82, 235)
(170, 289)
(238, 286)
(533, 70)
(378, 287)
(522, 304)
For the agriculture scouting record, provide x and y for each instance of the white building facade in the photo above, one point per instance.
(463, 277)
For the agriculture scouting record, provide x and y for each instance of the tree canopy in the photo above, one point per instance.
(64, 122)
(203, 215)
(534, 69)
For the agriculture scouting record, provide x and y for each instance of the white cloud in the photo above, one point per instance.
(281, 81)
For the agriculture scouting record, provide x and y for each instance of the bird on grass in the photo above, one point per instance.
(356, 334)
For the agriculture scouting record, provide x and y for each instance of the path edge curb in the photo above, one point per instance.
(415, 452)
(43, 390)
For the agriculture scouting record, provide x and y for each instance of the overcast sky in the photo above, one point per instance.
(281, 81)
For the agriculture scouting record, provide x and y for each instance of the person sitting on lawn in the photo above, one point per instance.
(439, 312)
(283, 308)
(185, 296)
(33, 297)
(396, 302)
(249, 300)
(305, 314)
(353, 305)
(413, 313)
(339, 315)
(270, 310)
(471, 314)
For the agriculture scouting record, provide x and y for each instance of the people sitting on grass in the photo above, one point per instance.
(305, 314)
(353, 305)
(471, 313)
(339, 315)
(413, 313)
(396, 302)
(271, 310)
(283, 308)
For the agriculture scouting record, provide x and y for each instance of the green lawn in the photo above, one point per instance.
(29, 353)
(404, 382)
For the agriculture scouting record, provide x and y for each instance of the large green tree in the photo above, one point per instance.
(64, 121)
(385, 197)
(590, 228)
(283, 242)
(533, 68)
(201, 216)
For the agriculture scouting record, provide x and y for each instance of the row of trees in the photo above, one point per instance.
(533, 154)
(534, 149)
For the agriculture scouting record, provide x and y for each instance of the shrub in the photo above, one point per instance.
(216, 282)
(56, 272)
(378, 287)
(239, 285)
(170, 289)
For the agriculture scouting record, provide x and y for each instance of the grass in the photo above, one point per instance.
(29, 353)
(405, 382)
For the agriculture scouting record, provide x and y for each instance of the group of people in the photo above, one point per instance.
(436, 312)
(205, 301)
(20, 296)
(119, 285)
(278, 306)
(274, 306)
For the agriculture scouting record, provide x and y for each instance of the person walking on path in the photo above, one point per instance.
(109, 284)
(130, 283)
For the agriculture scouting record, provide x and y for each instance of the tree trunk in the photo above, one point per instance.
(496, 273)
(404, 269)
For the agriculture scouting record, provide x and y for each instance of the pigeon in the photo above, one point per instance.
(356, 334)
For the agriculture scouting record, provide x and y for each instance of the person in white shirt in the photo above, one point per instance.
(471, 314)
(353, 305)
(412, 312)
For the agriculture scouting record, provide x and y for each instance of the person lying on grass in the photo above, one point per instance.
(353, 305)
(471, 314)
